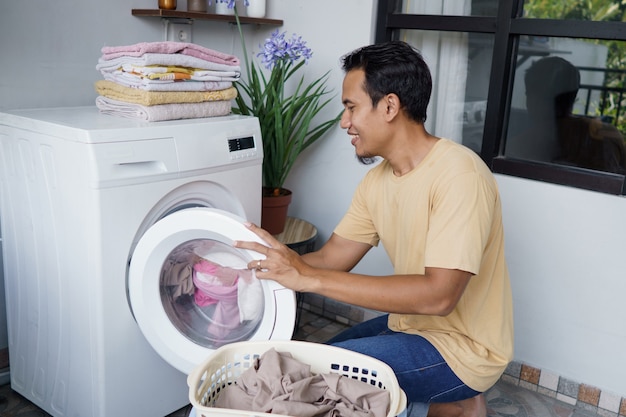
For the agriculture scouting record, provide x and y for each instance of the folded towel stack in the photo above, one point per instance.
(157, 81)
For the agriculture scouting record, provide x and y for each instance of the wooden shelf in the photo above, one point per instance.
(177, 14)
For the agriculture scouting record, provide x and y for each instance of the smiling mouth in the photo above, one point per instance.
(354, 138)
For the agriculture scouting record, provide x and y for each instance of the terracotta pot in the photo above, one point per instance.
(274, 210)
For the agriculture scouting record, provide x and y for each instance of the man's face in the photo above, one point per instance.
(359, 117)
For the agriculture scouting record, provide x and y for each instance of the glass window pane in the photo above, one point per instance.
(451, 7)
(476, 89)
(568, 104)
(460, 64)
(598, 10)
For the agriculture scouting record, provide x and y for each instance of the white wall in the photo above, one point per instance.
(566, 247)
(566, 251)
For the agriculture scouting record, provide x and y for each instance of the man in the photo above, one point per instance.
(435, 207)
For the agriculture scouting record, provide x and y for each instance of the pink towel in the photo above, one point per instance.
(226, 314)
(249, 291)
(221, 275)
(169, 47)
(226, 275)
(217, 285)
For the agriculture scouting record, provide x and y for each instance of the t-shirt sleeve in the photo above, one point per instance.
(460, 223)
(357, 224)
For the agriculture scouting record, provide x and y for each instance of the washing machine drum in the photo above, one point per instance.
(191, 292)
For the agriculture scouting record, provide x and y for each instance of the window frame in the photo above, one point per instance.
(507, 27)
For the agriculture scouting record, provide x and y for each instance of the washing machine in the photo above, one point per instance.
(119, 267)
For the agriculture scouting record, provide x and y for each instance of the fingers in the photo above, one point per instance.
(259, 265)
(273, 245)
(256, 246)
(255, 264)
(264, 234)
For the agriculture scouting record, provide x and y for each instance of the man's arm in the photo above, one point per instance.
(434, 293)
(337, 253)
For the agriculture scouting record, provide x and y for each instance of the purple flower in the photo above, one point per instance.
(278, 49)
(231, 3)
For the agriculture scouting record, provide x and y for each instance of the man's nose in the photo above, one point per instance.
(344, 123)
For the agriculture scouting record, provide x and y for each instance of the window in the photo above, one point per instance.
(536, 95)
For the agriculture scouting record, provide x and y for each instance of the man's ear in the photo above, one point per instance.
(392, 105)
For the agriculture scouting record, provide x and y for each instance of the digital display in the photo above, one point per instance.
(240, 144)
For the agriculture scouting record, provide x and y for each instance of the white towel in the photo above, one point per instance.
(161, 112)
(196, 74)
(249, 298)
(134, 81)
(164, 59)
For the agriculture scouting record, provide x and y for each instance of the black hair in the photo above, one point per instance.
(394, 67)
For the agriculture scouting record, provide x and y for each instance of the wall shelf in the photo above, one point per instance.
(178, 14)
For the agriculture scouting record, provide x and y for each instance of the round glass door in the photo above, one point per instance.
(208, 293)
(190, 290)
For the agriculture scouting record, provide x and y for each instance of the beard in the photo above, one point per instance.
(366, 160)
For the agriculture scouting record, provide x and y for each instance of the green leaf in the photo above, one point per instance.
(287, 121)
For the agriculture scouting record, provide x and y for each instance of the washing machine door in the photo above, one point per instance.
(190, 291)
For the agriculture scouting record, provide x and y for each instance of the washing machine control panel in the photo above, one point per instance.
(242, 147)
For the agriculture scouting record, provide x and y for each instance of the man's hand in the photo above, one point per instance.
(281, 263)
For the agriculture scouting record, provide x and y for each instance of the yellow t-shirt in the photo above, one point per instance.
(445, 213)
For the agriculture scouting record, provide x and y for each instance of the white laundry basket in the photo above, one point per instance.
(227, 363)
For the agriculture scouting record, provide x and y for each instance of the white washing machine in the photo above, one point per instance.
(119, 268)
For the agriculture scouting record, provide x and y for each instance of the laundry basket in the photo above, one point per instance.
(228, 362)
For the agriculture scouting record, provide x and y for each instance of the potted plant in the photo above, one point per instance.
(286, 119)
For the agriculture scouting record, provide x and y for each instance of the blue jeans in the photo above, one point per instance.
(422, 372)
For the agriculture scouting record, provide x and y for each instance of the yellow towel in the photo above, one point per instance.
(119, 92)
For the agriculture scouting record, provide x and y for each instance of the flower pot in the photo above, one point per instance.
(274, 210)
(167, 4)
(256, 8)
(222, 8)
(196, 5)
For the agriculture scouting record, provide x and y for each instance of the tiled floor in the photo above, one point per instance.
(505, 399)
